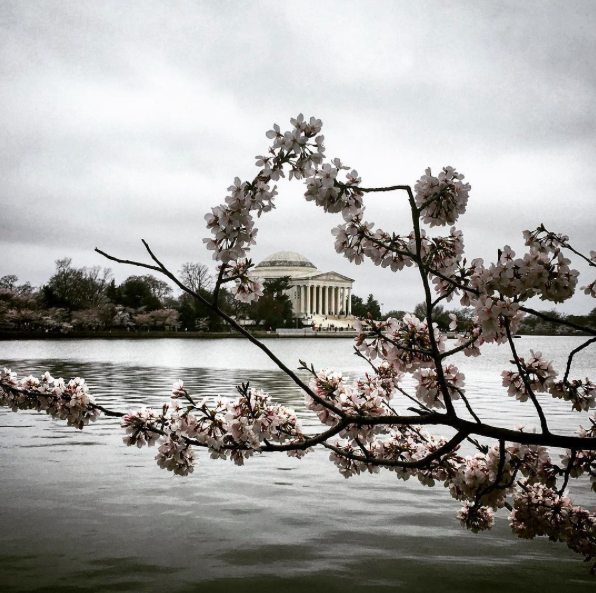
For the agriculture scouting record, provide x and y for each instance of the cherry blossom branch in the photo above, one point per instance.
(525, 309)
(497, 483)
(555, 320)
(359, 412)
(448, 447)
(432, 418)
(429, 306)
(458, 285)
(564, 243)
(459, 348)
(523, 375)
(107, 412)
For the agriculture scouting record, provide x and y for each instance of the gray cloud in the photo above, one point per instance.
(124, 121)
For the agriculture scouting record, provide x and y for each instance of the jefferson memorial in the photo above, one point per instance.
(318, 297)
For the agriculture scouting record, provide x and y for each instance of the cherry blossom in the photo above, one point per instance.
(536, 375)
(428, 390)
(441, 199)
(581, 394)
(476, 518)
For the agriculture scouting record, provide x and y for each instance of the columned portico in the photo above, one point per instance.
(322, 298)
(317, 297)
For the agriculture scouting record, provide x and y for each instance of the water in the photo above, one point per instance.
(82, 512)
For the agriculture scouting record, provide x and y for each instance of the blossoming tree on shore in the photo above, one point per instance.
(373, 423)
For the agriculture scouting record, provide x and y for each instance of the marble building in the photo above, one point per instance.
(315, 295)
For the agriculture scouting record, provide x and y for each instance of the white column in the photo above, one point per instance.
(344, 300)
(349, 301)
(317, 300)
(308, 300)
(336, 299)
(326, 300)
(320, 300)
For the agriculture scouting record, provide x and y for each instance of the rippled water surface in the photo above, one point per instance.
(80, 511)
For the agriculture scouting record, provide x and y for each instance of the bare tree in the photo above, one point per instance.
(196, 276)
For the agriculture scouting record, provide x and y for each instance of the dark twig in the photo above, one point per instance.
(383, 189)
(568, 471)
(572, 354)
(523, 375)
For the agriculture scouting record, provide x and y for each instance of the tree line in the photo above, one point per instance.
(89, 299)
(441, 315)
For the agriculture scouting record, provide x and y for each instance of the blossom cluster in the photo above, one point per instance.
(537, 375)
(428, 390)
(405, 343)
(443, 198)
(142, 427)
(403, 451)
(248, 289)
(539, 272)
(323, 189)
(476, 479)
(65, 401)
(476, 518)
(226, 427)
(494, 316)
(232, 223)
(356, 240)
(581, 393)
(541, 511)
(367, 397)
(549, 242)
(579, 462)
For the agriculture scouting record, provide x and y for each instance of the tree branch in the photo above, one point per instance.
(420, 463)
(572, 354)
(522, 374)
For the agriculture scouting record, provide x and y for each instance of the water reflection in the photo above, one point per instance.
(81, 512)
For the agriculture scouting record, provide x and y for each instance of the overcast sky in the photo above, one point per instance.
(128, 120)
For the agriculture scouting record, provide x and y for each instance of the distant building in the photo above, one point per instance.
(316, 296)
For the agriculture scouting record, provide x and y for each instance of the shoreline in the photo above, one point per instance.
(160, 335)
(156, 335)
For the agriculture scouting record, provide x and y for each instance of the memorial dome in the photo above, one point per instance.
(286, 259)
